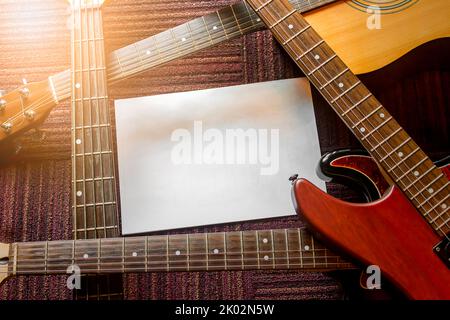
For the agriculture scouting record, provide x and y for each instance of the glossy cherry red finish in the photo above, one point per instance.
(389, 233)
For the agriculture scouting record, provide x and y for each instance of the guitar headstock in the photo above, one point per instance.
(25, 108)
(4, 259)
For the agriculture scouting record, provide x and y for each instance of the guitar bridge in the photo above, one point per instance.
(442, 250)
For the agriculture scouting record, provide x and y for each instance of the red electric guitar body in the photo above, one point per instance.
(407, 232)
(403, 246)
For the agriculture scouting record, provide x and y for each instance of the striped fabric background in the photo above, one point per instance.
(35, 187)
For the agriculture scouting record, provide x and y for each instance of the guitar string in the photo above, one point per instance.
(346, 105)
(102, 173)
(173, 47)
(230, 20)
(88, 28)
(238, 267)
(110, 142)
(435, 210)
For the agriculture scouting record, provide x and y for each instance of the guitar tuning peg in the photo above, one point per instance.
(6, 127)
(25, 92)
(30, 114)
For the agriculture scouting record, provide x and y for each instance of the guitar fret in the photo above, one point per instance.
(396, 149)
(428, 185)
(435, 206)
(313, 252)
(94, 179)
(90, 98)
(94, 228)
(287, 248)
(356, 105)
(418, 179)
(411, 169)
(207, 251)
(322, 65)
(250, 14)
(194, 43)
(273, 249)
(335, 77)
(386, 139)
(282, 19)
(237, 21)
(88, 40)
(346, 91)
(367, 117)
(404, 159)
(300, 246)
(296, 35)
(146, 254)
(223, 27)
(187, 251)
(435, 193)
(263, 5)
(444, 223)
(90, 69)
(92, 153)
(207, 30)
(94, 204)
(242, 249)
(257, 249)
(376, 128)
(167, 253)
(225, 250)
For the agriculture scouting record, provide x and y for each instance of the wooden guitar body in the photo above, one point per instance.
(343, 25)
(389, 233)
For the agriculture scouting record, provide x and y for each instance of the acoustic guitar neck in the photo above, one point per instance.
(94, 206)
(408, 166)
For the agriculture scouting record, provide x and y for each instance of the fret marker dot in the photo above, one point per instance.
(444, 206)
(307, 248)
(215, 28)
(183, 39)
(317, 57)
(416, 173)
(216, 251)
(148, 52)
(265, 240)
(341, 85)
(400, 154)
(290, 26)
(266, 258)
(381, 115)
(79, 194)
(85, 256)
(431, 190)
(362, 129)
(78, 141)
(177, 252)
(77, 85)
(134, 254)
(258, 19)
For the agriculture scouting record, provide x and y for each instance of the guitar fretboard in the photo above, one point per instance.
(421, 181)
(240, 250)
(225, 24)
(93, 192)
(93, 173)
